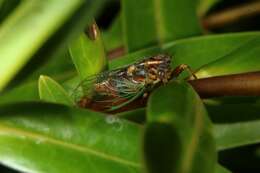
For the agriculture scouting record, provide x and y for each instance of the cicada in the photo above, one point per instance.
(111, 90)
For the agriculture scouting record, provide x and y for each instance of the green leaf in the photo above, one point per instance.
(22, 93)
(235, 124)
(231, 100)
(179, 132)
(28, 91)
(243, 59)
(195, 52)
(162, 148)
(72, 140)
(137, 115)
(199, 51)
(29, 27)
(236, 121)
(88, 55)
(158, 21)
(233, 135)
(6, 7)
(60, 68)
(51, 91)
(133, 57)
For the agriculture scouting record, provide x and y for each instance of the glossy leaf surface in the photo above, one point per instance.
(243, 59)
(195, 52)
(88, 55)
(40, 137)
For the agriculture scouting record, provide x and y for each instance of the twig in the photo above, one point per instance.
(245, 84)
(231, 15)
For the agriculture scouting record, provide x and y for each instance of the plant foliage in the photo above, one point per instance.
(45, 53)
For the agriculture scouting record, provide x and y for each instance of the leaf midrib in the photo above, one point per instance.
(10, 131)
(160, 30)
(49, 90)
(193, 143)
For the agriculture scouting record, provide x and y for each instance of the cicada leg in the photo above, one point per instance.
(178, 70)
(84, 102)
(145, 95)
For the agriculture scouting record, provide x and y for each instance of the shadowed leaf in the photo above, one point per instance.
(189, 131)
(158, 21)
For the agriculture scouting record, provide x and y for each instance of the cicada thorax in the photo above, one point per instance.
(153, 70)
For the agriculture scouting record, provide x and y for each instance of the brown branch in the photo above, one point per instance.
(231, 15)
(245, 84)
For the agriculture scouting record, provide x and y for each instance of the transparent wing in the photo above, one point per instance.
(86, 87)
(117, 90)
(123, 93)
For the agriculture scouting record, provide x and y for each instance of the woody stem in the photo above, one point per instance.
(245, 84)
